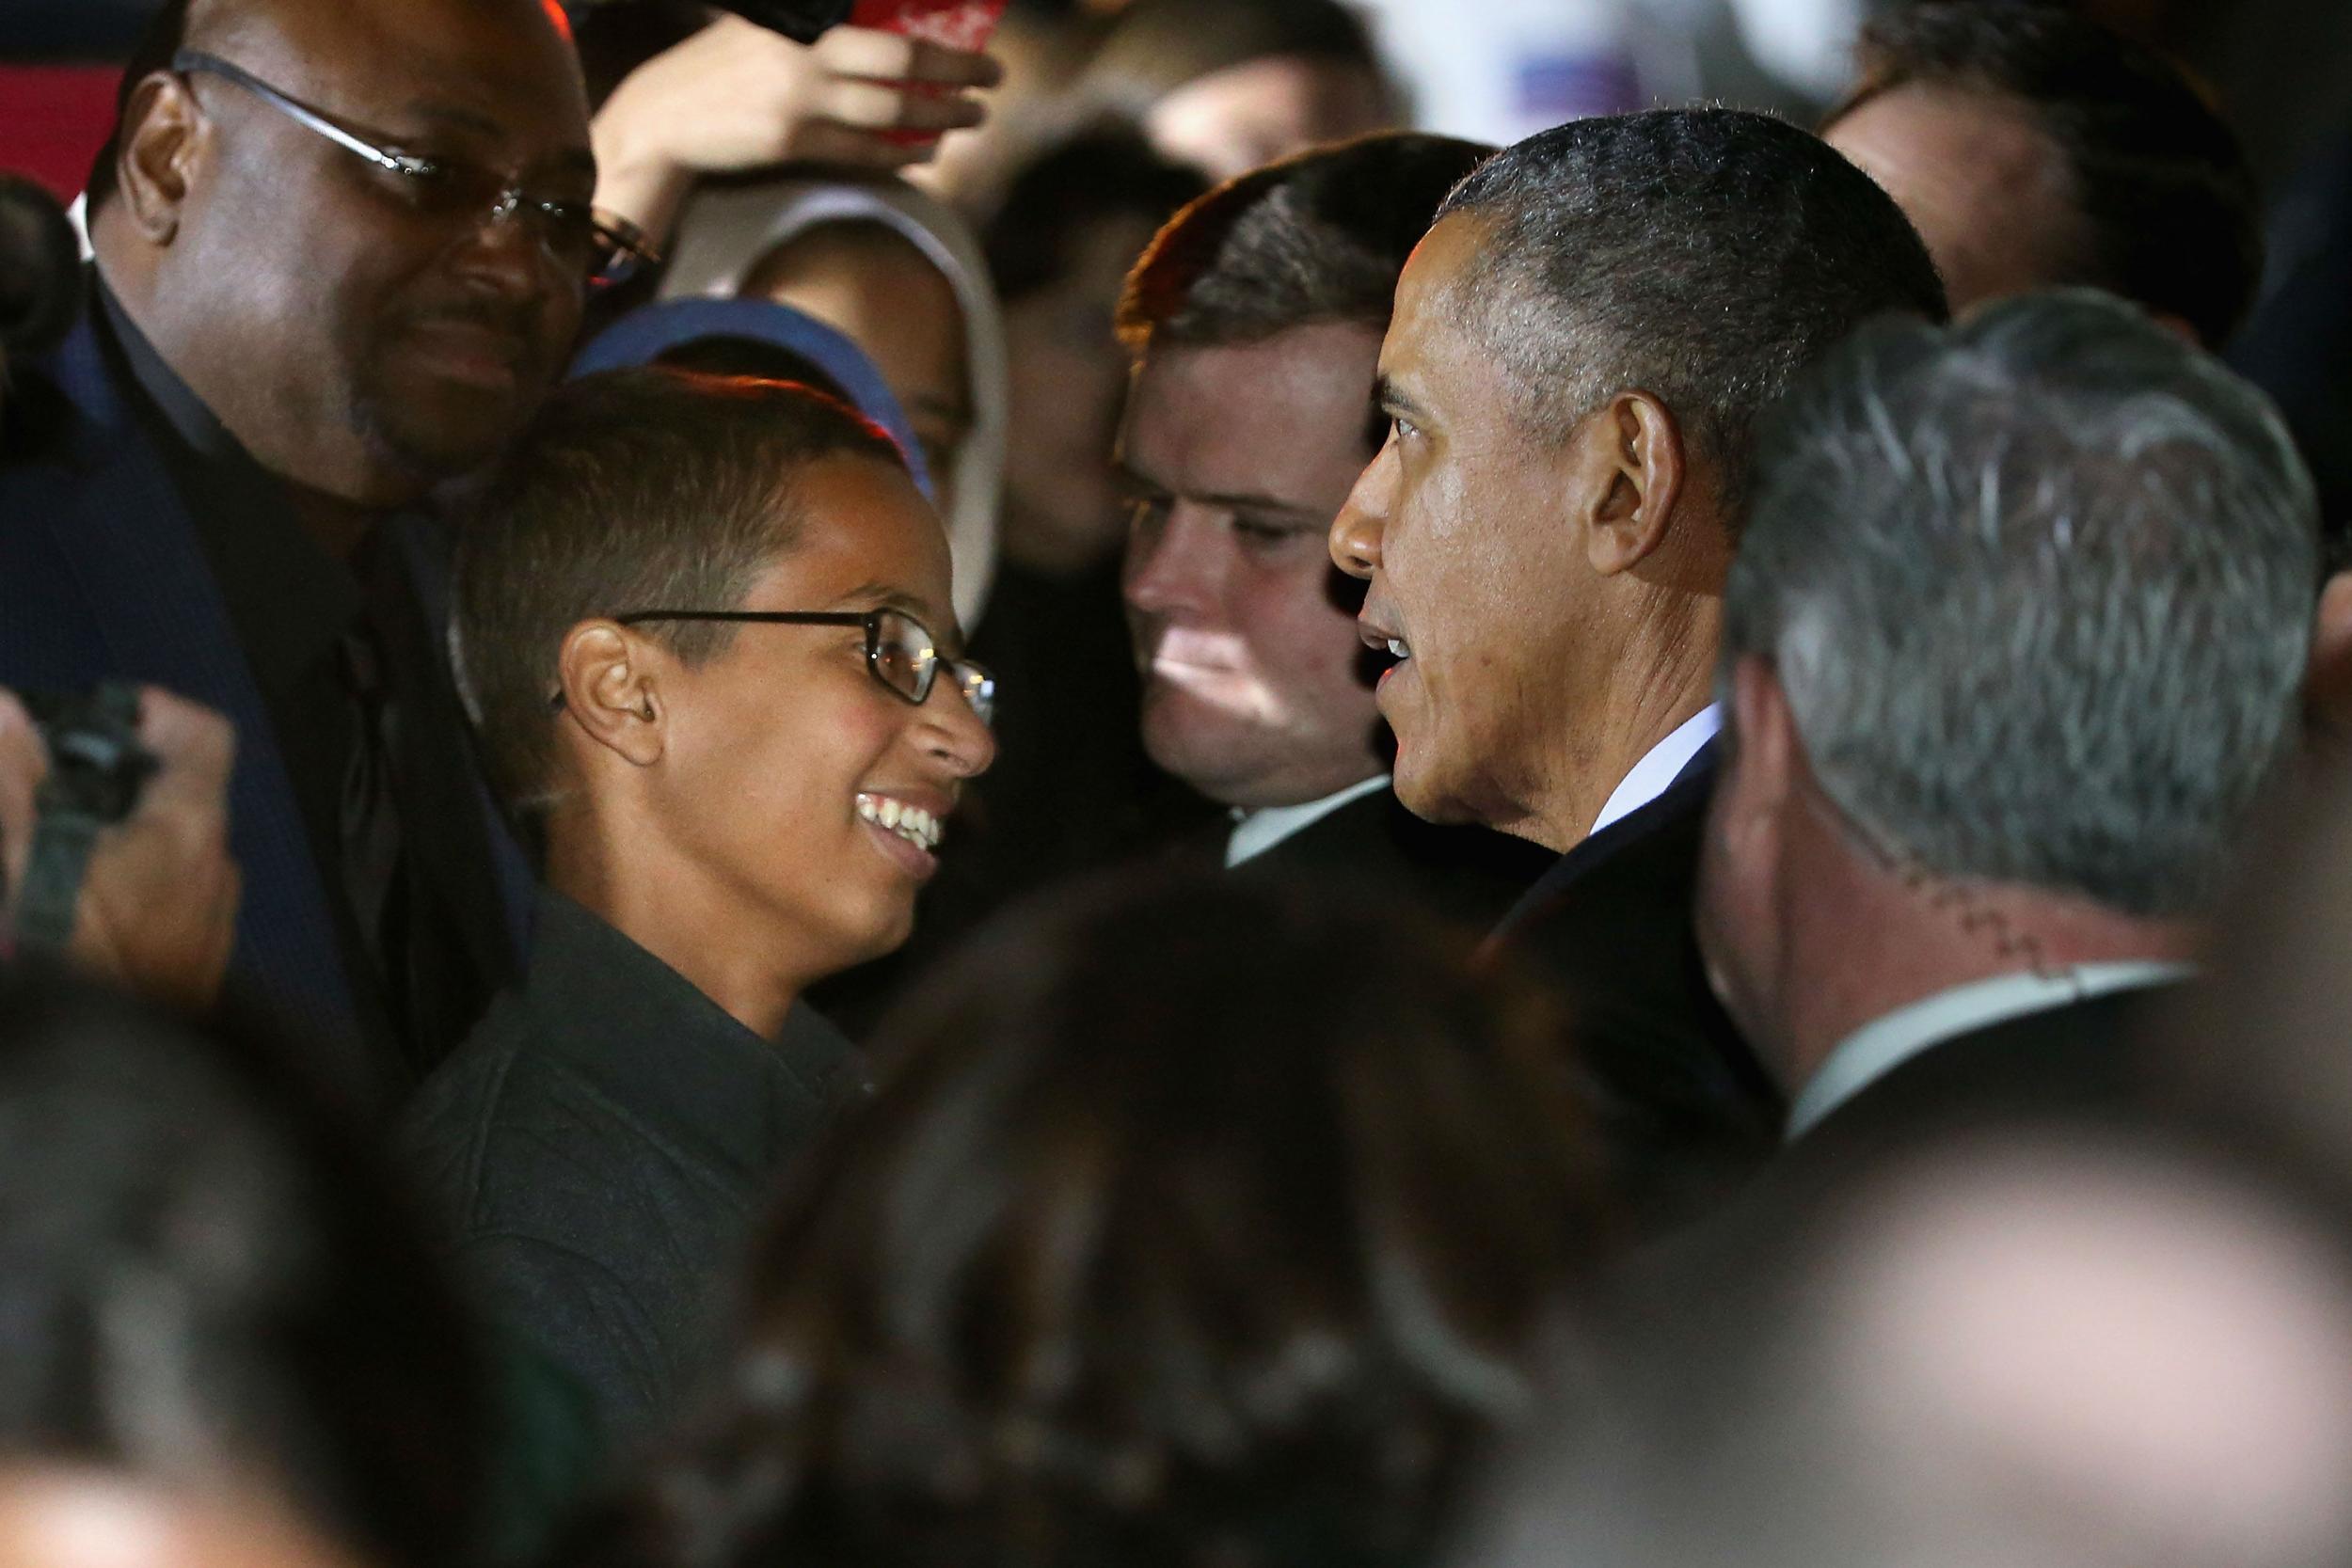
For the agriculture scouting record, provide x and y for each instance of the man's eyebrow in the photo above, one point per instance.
(442, 112)
(1389, 398)
(457, 117)
(1137, 483)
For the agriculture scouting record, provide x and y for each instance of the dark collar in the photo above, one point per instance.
(646, 1037)
(182, 411)
(288, 599)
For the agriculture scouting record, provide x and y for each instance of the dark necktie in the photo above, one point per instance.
(375, 877)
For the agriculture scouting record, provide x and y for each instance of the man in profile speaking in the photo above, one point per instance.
(1580, 348)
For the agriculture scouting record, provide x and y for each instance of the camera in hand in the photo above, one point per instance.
(97, 764)
(98, 768)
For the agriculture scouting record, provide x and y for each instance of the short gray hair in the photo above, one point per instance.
(1702, 255)
(2039, 588)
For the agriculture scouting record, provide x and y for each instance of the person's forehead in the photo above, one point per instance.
(1430, 348)
(496, 68)
(1270, 418)
(1974, 171)
(864, 534)
(875, 286)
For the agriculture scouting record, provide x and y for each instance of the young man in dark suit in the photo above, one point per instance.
(341, 253)
(1255, 320)
(2013, 650)
(1580, 349)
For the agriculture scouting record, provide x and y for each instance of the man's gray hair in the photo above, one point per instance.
(2040, 589)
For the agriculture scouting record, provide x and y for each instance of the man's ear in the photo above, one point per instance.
(163, 136)
(608, 690)
(2328, 685)
(1763, 732)
(1635, 469)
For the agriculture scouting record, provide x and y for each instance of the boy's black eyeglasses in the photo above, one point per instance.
(605, 248)
(901, 651)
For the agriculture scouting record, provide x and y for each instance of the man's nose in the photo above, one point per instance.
(506, 253)
(1170, 568)
(1355, 538)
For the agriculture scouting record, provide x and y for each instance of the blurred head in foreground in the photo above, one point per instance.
(2051, 1349)
(1193, 1224)
(65, 1516)
(208, 1292)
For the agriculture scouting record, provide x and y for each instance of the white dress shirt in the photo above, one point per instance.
(1883, 1044)
(1256, 831)
(1655, 771)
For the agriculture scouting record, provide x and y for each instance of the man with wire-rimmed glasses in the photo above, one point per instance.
(341, 253)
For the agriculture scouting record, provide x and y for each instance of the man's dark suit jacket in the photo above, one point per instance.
(1686, 1110)
(2073, 1064)
(102, 577)
(602, 1150)
(1468, 876)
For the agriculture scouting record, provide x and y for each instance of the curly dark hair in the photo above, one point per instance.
(1194, 1223)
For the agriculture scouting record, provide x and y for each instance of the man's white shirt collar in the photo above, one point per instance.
(1883, 1044)
(1255, 832)
(1661, 766)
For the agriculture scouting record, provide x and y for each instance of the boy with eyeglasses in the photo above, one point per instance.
(702, 630)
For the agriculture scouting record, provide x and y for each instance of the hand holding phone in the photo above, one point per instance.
(737, 96)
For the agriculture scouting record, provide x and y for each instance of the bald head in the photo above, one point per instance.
(363, 333)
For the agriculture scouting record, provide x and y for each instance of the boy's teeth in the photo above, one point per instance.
(1396, 646)
(911, 823)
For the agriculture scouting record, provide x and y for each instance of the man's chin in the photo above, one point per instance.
(1216, 760)
(1432, 794)
(442, 430)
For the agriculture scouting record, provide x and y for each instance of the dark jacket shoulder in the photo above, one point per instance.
(2077, 1063)
(1688, 1111)
(600, 1150)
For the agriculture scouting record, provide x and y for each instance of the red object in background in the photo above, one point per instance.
(53, 121)
(966, 24)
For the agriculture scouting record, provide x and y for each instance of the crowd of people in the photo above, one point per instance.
(857, 804)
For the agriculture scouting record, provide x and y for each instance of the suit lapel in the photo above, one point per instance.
(140, 604)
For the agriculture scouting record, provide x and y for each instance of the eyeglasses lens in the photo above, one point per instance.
(979, 689)
(904, 657)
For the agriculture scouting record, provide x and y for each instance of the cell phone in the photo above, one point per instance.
(966, 24)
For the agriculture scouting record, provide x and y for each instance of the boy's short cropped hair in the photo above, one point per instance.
(632, 489)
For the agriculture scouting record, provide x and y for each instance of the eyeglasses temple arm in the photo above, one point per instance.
(189, 60)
